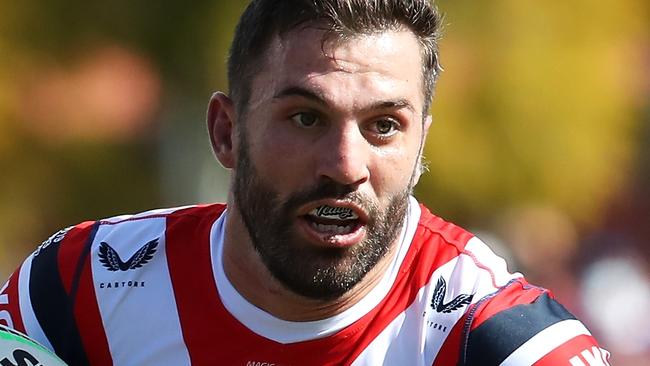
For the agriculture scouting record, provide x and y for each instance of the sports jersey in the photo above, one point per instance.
(150, 289)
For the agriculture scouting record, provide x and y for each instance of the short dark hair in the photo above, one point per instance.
(264, 19)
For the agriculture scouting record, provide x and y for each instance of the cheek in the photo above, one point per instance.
(278, 155)
(392, 171)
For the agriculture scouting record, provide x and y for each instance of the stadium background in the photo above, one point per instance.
(540, 142)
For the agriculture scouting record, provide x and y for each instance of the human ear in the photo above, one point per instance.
(420, 167)
(220, 128)
(428, 120)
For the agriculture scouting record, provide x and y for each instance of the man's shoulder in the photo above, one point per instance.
(456, 261)
(436, 236)
(189, 211)
(100, 263)
(465, 274)
(128, 228)
(170, 215)
(444, 234)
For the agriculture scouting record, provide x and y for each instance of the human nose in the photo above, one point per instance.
(344, 156)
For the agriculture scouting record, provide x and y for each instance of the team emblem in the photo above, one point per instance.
(112, 261)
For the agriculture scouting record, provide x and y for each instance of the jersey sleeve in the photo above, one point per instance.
(39, 297)
(541, 333)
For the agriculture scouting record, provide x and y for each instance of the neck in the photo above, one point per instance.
(250, 277)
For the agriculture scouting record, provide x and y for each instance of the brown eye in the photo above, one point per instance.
(386, 126)
(304, 119)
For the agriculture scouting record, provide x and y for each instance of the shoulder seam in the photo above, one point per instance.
(184, 211)
(482, 266)
(426, 221)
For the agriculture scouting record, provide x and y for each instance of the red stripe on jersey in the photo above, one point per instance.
(452, 234)
(516, 292)
(10, 304)
(204, 321)
(70, 250)
(190, 267)
(91, 329)
(450, 351)
(86, 310)
(578, 351)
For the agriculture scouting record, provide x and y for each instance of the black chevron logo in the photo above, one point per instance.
(439, 297)
(112, 261)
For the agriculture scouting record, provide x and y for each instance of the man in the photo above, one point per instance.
(321, 256)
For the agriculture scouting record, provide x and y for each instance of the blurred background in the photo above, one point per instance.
(540, 142)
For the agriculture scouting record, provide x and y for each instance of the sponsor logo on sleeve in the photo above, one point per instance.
(111, 261)
(456, 303)
(443, 323)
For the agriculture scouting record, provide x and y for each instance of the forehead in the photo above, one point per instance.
(385, 64)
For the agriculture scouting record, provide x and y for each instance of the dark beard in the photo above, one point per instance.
(313, 272)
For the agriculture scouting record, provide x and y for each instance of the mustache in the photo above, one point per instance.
(333, 190)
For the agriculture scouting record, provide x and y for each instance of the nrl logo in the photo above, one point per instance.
(439, 296)
(112, 261)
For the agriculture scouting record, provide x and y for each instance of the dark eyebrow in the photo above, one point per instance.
(318, 97)
(297, 91)
(391, 104)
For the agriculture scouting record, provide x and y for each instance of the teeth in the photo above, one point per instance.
(335, 229)
(341, 213)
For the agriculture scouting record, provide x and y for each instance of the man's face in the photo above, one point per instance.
(326, 156)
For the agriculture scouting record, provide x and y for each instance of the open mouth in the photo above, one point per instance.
(338, 225)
